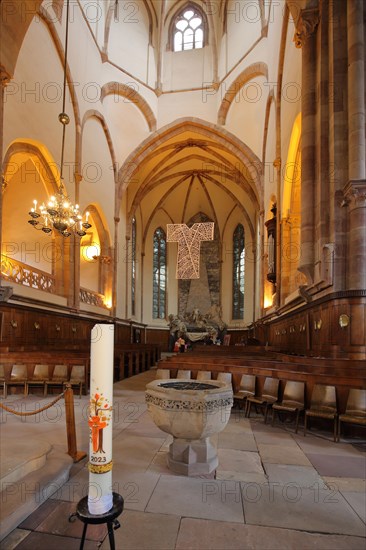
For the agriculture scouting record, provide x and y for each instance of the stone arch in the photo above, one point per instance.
(100, 267)
(30, 174)
(270, 100)
(35, 149)
(235, 146)
(93, 113)
(254, 70)
(130, 93)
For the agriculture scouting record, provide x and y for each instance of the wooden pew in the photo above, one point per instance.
(343, 377)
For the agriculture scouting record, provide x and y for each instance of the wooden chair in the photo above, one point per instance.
(39, 378)
(266, 399)
(355, 410)
(58, 379)
(323, 405)
(162, 373)
(184, 374)
(77, 377)
(246, 389)
(225, 377)
(204, 375)
(292, 402)
(18, 376)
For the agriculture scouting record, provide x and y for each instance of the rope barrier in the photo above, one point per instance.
(8, 409)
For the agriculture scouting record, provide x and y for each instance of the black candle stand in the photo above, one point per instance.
(110, 518)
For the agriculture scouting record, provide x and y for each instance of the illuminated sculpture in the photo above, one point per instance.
(189, 244)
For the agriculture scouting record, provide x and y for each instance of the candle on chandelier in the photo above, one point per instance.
(100, 496)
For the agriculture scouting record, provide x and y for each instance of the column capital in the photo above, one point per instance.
(78, 177)
(354, 193)
(5, 77)
(306, 25)
(277, 163)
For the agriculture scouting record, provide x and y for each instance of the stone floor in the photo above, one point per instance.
(273, 489)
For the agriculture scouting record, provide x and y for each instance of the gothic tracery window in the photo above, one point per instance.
(238, 272)
(159, 274)
(188, 30)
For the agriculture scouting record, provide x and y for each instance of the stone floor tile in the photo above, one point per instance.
(358, 503)
(141, 531)
(235, 438)
(159, 464)
(57, 523)
(43, 541)
(14, 539)
(194, 497)
(135, 488)
(196, 534)
(276, 438)
(319, 445)
(282, 454)
(344, 484)
(338, 465)
(136, 452)
(240, 466)
(39, 515)
(301, 476)
(293, 507)
(257, 424)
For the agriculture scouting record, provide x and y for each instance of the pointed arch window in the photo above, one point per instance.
(159, 274)
(133, 267)
(189, 31)
(238, 272)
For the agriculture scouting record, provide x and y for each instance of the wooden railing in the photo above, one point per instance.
(23, 274)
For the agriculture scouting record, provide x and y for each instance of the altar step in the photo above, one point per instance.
(31, 471)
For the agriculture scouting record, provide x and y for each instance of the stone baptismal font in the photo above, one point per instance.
(191, 412)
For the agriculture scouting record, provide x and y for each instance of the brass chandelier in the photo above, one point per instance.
(59, 213)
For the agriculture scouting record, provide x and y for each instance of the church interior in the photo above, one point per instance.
(187, 185)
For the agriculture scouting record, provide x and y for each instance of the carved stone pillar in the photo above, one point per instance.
(356, 90)
(355, 196)
(305, 38)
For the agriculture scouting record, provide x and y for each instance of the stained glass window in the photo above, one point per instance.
(238, 272)
(159, 274)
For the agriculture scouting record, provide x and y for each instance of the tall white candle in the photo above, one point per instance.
(100, 497)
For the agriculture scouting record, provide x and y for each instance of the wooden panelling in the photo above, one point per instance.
(358, 323)
(314, 329)
(160, 337)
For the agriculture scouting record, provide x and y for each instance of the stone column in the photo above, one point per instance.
(356, 90)
(128, 238)
(338, 137)
(355, 196)
(4, 81)
(305, 38)
(115, 265)
(355, 190)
